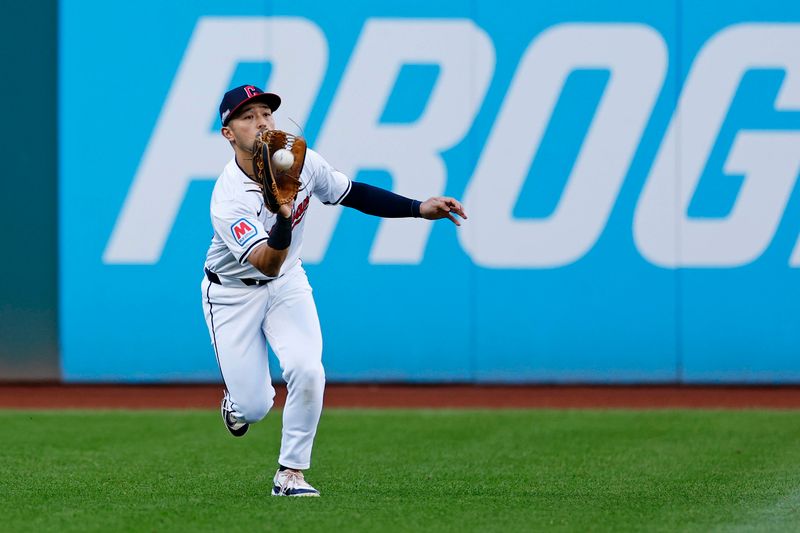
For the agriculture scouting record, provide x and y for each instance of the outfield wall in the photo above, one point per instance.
(629, 170)
(29, 147)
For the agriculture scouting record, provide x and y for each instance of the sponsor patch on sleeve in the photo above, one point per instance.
(243, 230)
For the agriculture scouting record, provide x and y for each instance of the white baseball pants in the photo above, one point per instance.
(241, 320)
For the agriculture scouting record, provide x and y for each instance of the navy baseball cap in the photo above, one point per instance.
(236, 98)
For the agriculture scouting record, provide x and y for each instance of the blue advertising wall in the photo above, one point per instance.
(629, 170)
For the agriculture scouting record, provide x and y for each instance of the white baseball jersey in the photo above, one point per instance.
(241, 222)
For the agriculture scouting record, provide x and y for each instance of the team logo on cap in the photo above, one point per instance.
(243, 230)
(251, 91)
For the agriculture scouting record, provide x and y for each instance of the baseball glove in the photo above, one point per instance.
(278, 185)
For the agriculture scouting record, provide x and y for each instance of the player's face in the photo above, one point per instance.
(250, 120)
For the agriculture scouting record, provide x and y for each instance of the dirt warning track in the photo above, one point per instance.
(50, 396)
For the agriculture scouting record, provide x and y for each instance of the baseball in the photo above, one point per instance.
(282, 159)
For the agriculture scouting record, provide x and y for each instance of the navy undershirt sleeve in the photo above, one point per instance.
(380, 202)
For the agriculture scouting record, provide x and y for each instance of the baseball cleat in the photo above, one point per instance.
(235, 426)
(292, 483)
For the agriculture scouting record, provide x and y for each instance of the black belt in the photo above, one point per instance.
(250, 282)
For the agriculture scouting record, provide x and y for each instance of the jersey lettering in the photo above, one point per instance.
(300, 211)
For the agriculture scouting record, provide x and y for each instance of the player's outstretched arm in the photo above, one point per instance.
(442, 207)
(382, 203)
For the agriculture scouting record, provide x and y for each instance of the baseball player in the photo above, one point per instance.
(255, 290)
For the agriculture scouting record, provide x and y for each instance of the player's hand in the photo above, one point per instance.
(442, 207)
(285, 211)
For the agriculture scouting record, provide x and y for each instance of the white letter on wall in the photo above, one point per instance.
(353, 139)
(182, 148)
(636, 57)
(769, 160)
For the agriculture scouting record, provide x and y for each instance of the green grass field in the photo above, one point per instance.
(405, 470)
